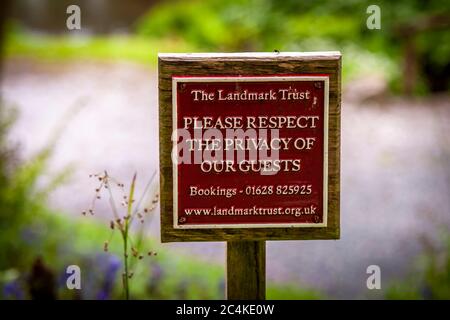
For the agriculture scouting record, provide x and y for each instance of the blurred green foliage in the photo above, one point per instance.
(430, 279)
(246, 24)
(108, 49)
(20, 197)
(267, 25)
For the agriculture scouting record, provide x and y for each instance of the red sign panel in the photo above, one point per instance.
(250, 152)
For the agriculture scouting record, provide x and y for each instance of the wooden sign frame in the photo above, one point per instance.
(254, 64)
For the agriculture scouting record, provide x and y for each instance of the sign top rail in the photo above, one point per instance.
(252, 55)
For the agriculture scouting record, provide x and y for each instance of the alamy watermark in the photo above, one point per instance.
(73, 280)
(373, 21)
(249, 150)
(73, 21)
(374, 280)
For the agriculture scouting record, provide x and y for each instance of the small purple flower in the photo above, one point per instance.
(13, 290)
(222, 288)
(113, 266)
(103, 294)
(156, 276)
(29, 236)
(426, 292)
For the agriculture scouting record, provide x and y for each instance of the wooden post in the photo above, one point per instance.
(246, 270)
(189, 86)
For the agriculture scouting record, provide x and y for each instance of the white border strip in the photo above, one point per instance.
(250, 55)
(325, 79)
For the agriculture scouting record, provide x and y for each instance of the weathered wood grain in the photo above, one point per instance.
(249, 64)
(246, 270)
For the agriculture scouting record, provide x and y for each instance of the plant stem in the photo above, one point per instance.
(125, 263)
(127, 219)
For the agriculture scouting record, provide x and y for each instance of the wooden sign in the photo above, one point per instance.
(249, 146)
